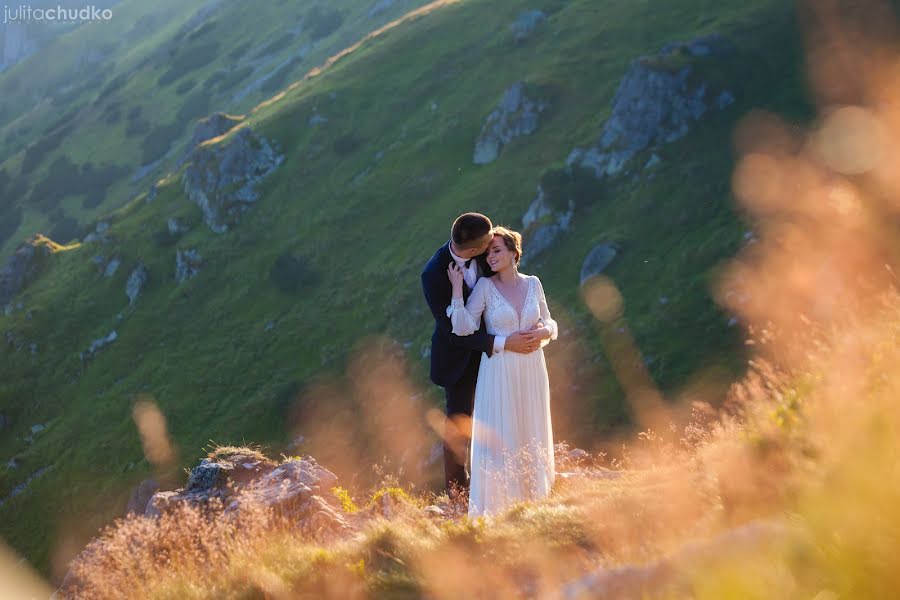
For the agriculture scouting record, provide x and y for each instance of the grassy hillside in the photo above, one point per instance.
(359, 204)
(93, 118)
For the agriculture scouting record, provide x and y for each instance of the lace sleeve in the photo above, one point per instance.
(466, 317)
(545, 314)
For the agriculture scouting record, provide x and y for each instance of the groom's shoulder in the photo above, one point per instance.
(440, 256)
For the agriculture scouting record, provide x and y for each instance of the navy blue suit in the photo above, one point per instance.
(454, 359)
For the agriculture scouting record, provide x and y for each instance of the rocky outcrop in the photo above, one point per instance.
(597, 260)
(176, 226)
(221, 177)
(111, 267)
(526, 23)
(136, 282)
(297, 489)
(543, 225)
(187, 264)
(99, 343)
(140, 497)
(517, 115)
(657, 102)
(18, 270)
(211, 127)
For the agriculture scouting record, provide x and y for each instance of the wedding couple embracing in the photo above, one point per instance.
(491, 324)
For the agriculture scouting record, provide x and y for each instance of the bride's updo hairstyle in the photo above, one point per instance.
(512, 240)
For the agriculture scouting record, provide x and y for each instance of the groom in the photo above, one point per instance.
(455, 359)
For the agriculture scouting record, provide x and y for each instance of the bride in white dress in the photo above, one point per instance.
(512, 438)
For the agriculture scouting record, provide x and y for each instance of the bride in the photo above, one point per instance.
(512, 439)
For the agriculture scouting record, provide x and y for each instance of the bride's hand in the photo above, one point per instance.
(455, 274)
(542, 331)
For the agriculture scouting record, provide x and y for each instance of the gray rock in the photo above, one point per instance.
(537, 210)
(210, 127)
(140, 497)
(597, 260)
(526, 23)
(715, 45)
(136, 282)
(33, 347)
(543, 225)
(37, 428)
(102, 227)
(176, 226)
(20, 269)
(517, 115)
(98, 344)
(111, 267)
(654, 104)
(296, 489)
(187, 264)
(221, 177)
(316, 119)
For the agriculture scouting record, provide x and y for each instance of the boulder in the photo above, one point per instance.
(136, 282)
(99, 343)
(597, 260)
(21, 268)
(187, 264)
(543, 225)
(221, 178)
(296, 489)
(211, 127)
(176, 226)
(140, 497)
(111, 267)
(657, 102)
(516, 115)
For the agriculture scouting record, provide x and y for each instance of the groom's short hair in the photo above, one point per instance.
(469, 229)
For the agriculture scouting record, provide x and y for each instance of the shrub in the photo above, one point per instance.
(290, 274)
(346, 144)
(189, 59)
(157, 143)
(321, 23)
(195, 106)
(562, 185)
(185, 86)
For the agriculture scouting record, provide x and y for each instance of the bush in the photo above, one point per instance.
(189, 59)
(321, 23)
(346, 144)
(157, 143)
(562, 185)
(290, 274)
(185, 86)
(10, 220)
(194, 107)
(278, 79)
(38, 150)
(235, 78)
(64, 229)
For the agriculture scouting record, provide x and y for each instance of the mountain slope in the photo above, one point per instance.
(331, 252)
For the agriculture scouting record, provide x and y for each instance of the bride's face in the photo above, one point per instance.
(499, 257)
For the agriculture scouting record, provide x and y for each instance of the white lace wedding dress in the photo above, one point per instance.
(512, 438)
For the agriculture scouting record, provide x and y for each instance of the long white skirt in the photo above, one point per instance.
(512, 437)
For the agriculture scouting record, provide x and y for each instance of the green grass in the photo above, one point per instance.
(200, 349)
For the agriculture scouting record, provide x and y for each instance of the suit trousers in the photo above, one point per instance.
(460, 401)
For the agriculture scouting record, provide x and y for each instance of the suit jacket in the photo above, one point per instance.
(450, 353)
